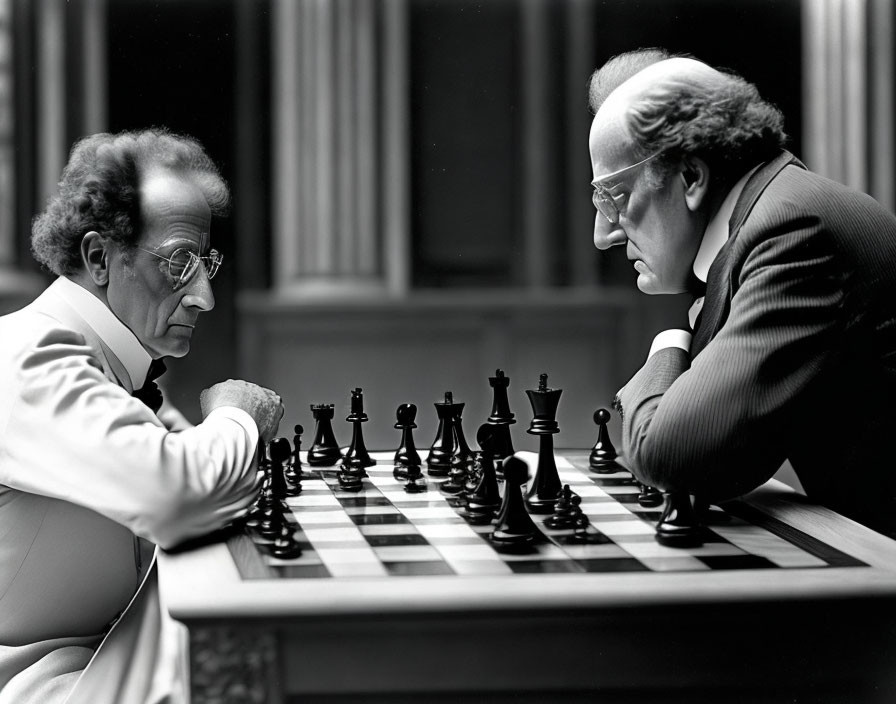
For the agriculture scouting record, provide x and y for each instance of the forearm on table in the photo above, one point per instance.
(112, 455)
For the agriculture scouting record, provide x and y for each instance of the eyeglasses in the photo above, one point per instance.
(606, 202)
(184, 263)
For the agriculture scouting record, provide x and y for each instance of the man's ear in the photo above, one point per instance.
(695, 177)
(95, 257)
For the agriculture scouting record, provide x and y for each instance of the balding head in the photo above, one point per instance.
(681, 106)
(619, 69)
(612, 131)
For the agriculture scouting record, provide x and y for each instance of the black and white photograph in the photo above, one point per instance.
(447, 351)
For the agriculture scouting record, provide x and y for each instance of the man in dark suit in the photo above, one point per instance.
(792, 353)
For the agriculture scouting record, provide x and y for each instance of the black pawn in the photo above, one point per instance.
(484, 500)
(285, 546)
(294, 470)
(324, 450)
(444, 445)
(357, 456)
(271, 521)
(649, 497)
(542, 494)
(564, 516)
(462, 453)
(580, 520)
(515, 531)
(679, 526)
(406, 455)
(603, 455)
(415, 481)
(457, 479)
(263, 503)
(351, 478)
(280, 452)
(501, 417)
(274, 515)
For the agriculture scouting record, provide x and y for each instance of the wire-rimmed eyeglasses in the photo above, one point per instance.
(607, 202)
(184, 263)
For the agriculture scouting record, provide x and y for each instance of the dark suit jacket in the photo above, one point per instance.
(794, 356)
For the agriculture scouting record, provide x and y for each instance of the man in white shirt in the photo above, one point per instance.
(793, 354)
(90, 475)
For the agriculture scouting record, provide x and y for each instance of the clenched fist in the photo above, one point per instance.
(265, 406)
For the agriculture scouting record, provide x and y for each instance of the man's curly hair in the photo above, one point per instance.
(723, 120)
(100, 191)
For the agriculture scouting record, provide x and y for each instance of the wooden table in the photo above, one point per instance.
(754, 635)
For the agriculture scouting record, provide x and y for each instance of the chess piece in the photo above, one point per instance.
(474, 473)
(580, 521)
(279, 452)
(294, 468)
(484, 500)
(324, 450)
(444, 445)
(678, 526)
(415, 481)
(564, 516)
(649, 497)
(515, 531)
(406, 455)
(272, 513)
(501, 417)
(603, 455)
(542, 495)
(462, 453)
(357, 456)
(271, 521)
(280, 455)
(351, 477)
(263, 504)
(457, 478)
(285, 545)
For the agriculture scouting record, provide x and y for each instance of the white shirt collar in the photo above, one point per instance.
(717, 233)
(123, 343)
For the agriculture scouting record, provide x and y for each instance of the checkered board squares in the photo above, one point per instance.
(383, 531)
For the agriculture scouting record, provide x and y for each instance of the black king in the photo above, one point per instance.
(542, 494)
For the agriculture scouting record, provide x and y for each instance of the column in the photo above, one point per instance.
(882, 178)
(16, 287)
(7, 136)
(94, 68)
(340, 184)
(51, 85)
(579, 28)
(538, 193)
(848, 93)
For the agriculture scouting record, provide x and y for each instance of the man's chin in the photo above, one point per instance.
(172, 348)
(652, 287)
(648, 285)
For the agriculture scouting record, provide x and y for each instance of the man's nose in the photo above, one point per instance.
(199, 292)
(606, 234)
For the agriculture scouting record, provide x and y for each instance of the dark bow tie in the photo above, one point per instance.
(150, 393)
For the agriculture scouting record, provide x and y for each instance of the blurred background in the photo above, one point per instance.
(411, 177)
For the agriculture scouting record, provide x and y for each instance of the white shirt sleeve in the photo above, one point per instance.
(70, 433)
(671, 338)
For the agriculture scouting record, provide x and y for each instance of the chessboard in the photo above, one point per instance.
(440, 575)
(382, 530)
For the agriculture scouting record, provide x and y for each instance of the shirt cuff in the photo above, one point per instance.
(240, 416)
(671, 338)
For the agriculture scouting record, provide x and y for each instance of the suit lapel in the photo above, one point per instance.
(719, 288)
